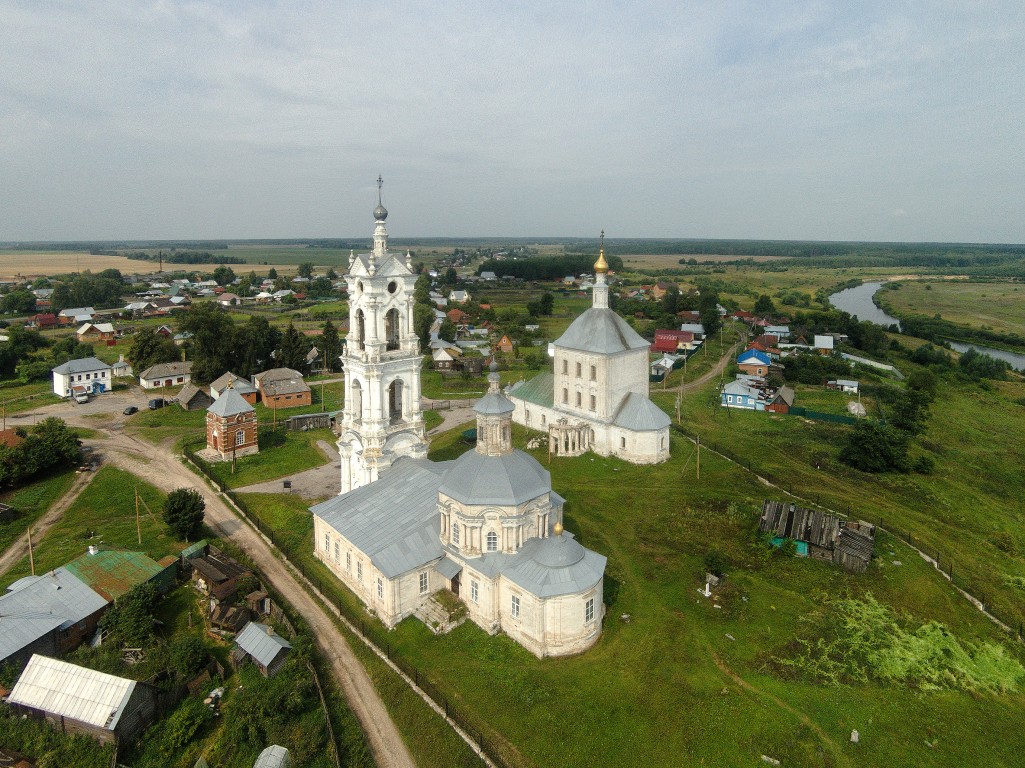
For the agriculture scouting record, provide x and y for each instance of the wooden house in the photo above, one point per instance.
(261, 645)
(819, 535)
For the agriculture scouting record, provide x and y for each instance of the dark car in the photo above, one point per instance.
(157, 402)
(130, 410)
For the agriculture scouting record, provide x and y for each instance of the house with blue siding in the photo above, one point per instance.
(741, 393)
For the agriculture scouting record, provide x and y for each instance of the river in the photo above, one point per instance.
(858, 301)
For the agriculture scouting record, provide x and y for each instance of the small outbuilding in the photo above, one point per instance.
(274, 756)
(819, 535)
(260, 644)
(231, 427)
(79, 700)
(192, 398)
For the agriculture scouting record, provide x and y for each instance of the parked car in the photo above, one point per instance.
(130, 410)
(81, 397)
(157, 402)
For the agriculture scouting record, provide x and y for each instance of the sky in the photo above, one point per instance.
(892, 121)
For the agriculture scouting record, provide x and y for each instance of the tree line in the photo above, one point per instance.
(547, 267)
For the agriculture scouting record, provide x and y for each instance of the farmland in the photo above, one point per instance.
(997, 306)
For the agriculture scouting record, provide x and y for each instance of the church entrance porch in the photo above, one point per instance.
(441, 612)
(570, 440)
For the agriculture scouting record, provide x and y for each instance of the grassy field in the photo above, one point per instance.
(31, 502)
(282, 453)
(106, 509)
(991, 306)
(17, 397)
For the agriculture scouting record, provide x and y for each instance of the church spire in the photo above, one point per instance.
(380, 231)
(600, 299)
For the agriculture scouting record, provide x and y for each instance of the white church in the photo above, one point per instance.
(487, 526)
(597, 397)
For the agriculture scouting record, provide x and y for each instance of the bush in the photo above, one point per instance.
(131, 620)
(872, 447)
(716, 562)
(187, 656)
(924, 465)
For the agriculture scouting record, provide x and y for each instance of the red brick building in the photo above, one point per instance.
(231, 426)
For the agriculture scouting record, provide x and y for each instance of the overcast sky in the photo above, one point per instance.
(251, 119)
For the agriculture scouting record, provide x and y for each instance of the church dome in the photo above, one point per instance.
(558, 551)
(602, 331)
(509, 480)
(380, 213)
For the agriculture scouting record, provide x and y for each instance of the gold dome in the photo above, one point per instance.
(557, 530)
(601, 266)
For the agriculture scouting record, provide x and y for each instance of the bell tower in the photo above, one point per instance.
(382, 419)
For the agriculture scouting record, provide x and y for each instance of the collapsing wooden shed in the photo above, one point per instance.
(819, 535)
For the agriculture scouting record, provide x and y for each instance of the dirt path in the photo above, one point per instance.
(707, 376)
(158, 465)
(832, 745)
(19, 548)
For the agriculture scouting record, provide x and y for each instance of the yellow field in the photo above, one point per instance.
(999, 306)
(672, 261)
(21, 264)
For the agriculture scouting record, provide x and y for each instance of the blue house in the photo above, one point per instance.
(754, 362)
(741, 394)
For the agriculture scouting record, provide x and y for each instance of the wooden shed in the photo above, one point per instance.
(819, 535)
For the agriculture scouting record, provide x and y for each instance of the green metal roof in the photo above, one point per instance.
(540, 390)
(113, 573)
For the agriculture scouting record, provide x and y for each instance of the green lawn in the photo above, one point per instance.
(31, 502)
(281, 453)
(997, 306)
(17, 397)
(106, 509)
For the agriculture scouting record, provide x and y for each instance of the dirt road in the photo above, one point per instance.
(19, 549)
(159, 466)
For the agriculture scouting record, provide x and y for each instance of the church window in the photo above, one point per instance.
(622, 442)
(359, 570)
(380, 588)
(542, 419)
(423, 583)
(578, 370)
(392, 286)
(492, 541)
(327, 541)
(515, 606)
(474, 591)
(391, 329)
(565, 367)
(578, 399)
(593, 402)
(348, 562)
(565, 396)
(240, 437)
(589, 611)
(594, 373)
(455, 534)
(337, 553)
(662, 443)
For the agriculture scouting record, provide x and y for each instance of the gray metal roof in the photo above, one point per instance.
(394, 520)
(540, 390)
(261, 642)
(229, 403)
(274, 756)
(602, 331)
(510, 479)
(85, 365)
(167, 369)
(448, 568)
(494, 404)
(238, 383)
(639, 414)
(78, 693)
(36, 605)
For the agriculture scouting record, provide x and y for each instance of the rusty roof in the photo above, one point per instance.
(112, 573)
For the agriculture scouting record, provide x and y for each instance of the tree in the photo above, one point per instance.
(447, 330)
(708, 310)
(331, 346)
(187, 655)
(871, 447)
(19, 302)
(272, 274)
(60, 298)
(423, 319)
(212, 345)
(306, 269)
(450, 276)
(224, 275)
(131, 620)
(149, 348)
(183, 512)
(764, 305)
(293, 349)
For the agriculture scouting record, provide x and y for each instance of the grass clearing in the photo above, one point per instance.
(997, 306)
(282, 453)
(31, 502)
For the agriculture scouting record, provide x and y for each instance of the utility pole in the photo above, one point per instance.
(138, 526)
(699, 458)
(31, 559)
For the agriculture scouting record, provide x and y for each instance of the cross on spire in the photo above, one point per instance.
(380, 183)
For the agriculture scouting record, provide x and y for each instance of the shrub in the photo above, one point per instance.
(716, 562)
(187, 656)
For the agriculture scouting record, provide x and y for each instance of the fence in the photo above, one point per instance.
(372, 633)
(960, 578)
(797, 410)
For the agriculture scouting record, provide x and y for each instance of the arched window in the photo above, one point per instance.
(356, 401)
(391, 329)
(492, 541)
(361, 330)
(395, 400)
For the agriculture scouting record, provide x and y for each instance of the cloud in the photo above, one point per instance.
(220, 119)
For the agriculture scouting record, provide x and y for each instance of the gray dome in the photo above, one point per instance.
(558, 551)
(602, 331)
(380, 213)
(511, 479)
(494, 404)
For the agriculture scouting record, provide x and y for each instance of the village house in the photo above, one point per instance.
(505, 344)
(695, 328)
(459, 297)
(823, 344)
(192, 398)
(87, 376)
(283, 388)
(166, 375)
(228, 300)
(78, 700)
(76, 315)
(241, 385)
(849, 386)
(122, 368)
(43, 321)
(97, 332)
(263, 647)
(754, 363)
(672, 341)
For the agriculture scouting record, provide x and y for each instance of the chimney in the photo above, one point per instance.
(270, 631)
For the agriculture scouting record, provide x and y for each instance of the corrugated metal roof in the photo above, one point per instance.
(54, 686)
(230, 403)
(113, 573)
(273, 756)
(394, 521)
(36, 605)
(602, 331)
(261, 642)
